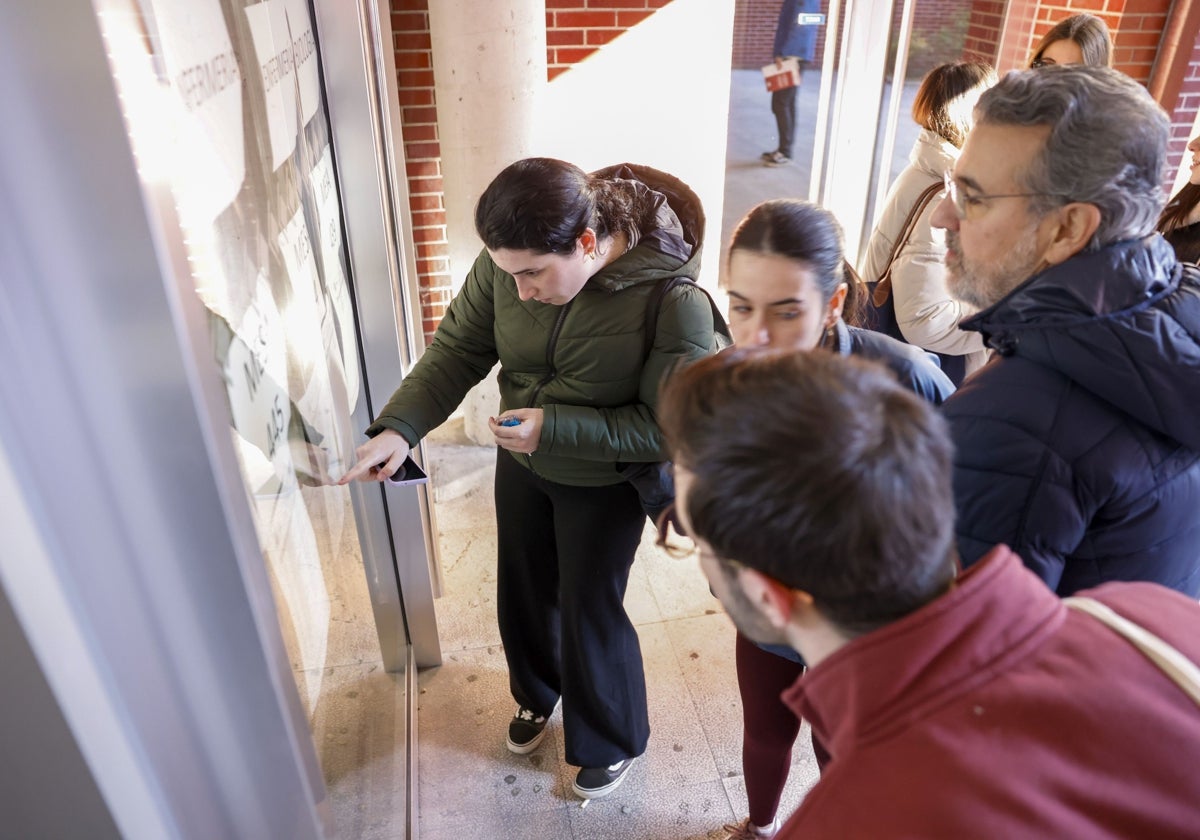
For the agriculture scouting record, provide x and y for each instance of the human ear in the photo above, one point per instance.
(836, 304)
(772, 599)
(587, 242)
(1075, 225)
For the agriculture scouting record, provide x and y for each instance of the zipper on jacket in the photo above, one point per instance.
(545, 380)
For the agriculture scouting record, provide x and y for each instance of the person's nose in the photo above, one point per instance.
(944, 215)
(525, 289)
(759, 332)
(1193, 145)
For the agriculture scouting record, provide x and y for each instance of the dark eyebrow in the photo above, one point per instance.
(969, 183)
(784, 302)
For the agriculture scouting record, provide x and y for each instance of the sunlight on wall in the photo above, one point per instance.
(657, 95)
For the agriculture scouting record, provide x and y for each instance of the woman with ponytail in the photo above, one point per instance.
(790, 288)
(559, 297)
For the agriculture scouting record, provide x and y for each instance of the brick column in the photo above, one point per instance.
(422, 157)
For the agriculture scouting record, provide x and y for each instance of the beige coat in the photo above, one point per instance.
(927, 315)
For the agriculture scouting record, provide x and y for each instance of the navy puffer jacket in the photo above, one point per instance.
(1077, 444)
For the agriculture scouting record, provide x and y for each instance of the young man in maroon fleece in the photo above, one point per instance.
(953, 705)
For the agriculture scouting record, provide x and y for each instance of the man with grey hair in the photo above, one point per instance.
(1077, 444)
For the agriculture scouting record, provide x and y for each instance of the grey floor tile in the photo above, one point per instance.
(540, 825)
(358, 728)
(467, 609)
(680, 588)
(678, 752)
(704, 648)
(803, 776)
(687, 812)
(466, 772)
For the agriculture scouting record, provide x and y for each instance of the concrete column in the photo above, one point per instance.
(489, 65)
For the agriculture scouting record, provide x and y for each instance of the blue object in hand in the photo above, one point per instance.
(509, 421)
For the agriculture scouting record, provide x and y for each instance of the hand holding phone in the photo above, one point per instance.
(409, 473)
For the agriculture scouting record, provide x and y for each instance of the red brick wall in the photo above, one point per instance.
(983, 32)
(1136, 25)
(577, 28)
(422, 157)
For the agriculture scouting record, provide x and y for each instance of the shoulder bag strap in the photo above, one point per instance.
(883, 287)
(1182, 671)
(654, 304)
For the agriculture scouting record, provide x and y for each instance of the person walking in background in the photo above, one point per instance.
(1079, 39)
(788, 285)
(559, 297)
(1180, 220)
(818, 493)
(792, 40)
(1077, 444)
(925, 313)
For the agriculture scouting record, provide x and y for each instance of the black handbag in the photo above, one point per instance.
(879, 314)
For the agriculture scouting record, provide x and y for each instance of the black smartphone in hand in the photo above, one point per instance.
(409, 473)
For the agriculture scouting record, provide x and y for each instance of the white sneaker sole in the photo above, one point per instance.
(600, 792)
(528, 746)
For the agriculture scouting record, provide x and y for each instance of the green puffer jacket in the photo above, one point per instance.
(582, 363)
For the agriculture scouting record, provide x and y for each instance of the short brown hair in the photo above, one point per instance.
(819, 471)
(939, 105)
(1088, 31)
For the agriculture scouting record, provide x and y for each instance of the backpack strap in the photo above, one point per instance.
(883, 286)
(654, 304)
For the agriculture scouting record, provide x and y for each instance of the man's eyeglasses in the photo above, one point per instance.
(963, 202)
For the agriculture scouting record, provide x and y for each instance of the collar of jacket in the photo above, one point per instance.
(1122, 322)
(837, 338)
(933, 154)
(881, 683)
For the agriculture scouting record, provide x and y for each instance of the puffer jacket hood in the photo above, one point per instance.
(676, 235)
(1133, 342)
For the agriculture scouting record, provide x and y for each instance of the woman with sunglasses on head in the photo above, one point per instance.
(1079, 39)
(904, 241)
(789, 287)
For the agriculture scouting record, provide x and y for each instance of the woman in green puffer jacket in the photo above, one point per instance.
(559, 297)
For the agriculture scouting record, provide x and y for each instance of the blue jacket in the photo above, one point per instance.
(917, 369)
(1077, 444)
(791, 39)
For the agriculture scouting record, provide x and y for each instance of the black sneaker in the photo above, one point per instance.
(526, 731)
(769, 155)
(595, 782)
(777, 159)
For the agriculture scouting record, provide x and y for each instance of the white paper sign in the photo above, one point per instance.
(330, 221)
(314, 359)
(256, 380)
(273, 46)
(304, 57)
(204, 74)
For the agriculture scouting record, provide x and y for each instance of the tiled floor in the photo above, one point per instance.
(689, 782)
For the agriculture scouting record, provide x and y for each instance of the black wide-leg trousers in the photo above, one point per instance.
(564, 558)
